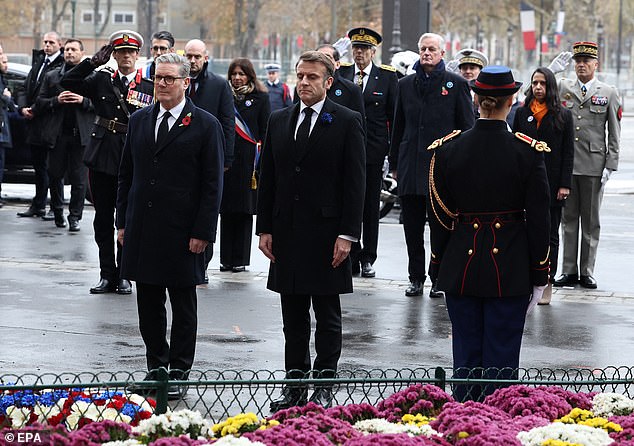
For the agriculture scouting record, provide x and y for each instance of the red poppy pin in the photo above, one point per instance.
(186, 120)
(444, 91)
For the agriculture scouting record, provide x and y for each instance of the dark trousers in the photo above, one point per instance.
(236, 230)
(555, 220)
(2, 155)
(103, 188)
(414, 214)
(39, 157)
(486, 333)
(67, 156)
(179, 353)
(366, 249)
(296, 319)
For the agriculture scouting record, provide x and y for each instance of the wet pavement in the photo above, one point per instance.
(50, 323)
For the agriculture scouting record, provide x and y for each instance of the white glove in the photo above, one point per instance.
(343, 46)
(605, 176)
(538, 292)
(452, 66)
(560, 62)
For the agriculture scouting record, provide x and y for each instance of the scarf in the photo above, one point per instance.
(241, 92)
(425, 78)
(539, 111)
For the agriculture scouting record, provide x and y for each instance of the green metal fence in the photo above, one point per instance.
(218, 394)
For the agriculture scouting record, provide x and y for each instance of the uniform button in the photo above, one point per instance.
(495, 250)
(470, 252)
(498, 226)
(152, 182)
(297, 169)
(581, 106)
(103, 97)
(296, 197)
(579, 116)
(121, 95)
(475, 226)
(116, 119)
(376, 103)
(93, 134)
(149, 204)
(118, 107)
(576, 139)
(578, 128)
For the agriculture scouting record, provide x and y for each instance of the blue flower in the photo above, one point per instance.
(327, 118)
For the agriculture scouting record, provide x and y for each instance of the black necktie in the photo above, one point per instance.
(192, 89)
(43, 69)
(163, 130)
(304, 128)
(125, 81)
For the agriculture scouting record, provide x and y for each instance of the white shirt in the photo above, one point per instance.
(130, 77)
(175, 112)
(366, 74)
(587, 84)
(50, 58)
(313, 118)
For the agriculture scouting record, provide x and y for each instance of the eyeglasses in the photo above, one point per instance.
(169, 80)
(160, 48)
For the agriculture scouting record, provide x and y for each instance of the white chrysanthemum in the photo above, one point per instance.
(230, 440)
(609, 404)
(142, 402)
(572, 433)
(44, 412)
(18, 415)
(382, 426)
(130, 442)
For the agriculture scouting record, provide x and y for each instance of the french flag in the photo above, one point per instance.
(544, 44)
(527, 21)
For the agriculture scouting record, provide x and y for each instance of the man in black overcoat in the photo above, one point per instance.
(378, 83)
(44, 60)
(67, 132)
(431, 103)
(213, 94)
(170, 186)
(310, 207)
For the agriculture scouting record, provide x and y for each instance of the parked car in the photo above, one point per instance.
(17, 164)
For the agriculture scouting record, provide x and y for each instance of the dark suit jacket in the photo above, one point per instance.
(491, 174)
(379, 98)
(103, 153)
(52, 111)
(308, 196)
(214, 96)
(421, 117)
(167, 195)
(560, 159)
(31, 90)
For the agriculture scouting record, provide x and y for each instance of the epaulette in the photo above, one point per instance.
(346, 64)
(388, 68)
(540, 146)
(106, 68)
(439, 142)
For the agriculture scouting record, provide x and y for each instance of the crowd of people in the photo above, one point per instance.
(169, 149)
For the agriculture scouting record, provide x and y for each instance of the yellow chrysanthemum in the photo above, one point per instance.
(463, 434)
(559, 443)
(418, 419)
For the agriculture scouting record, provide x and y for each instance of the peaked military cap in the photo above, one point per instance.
(272, 67)
(585, 49)
(126, 39)
(364, 36)
(469, 55)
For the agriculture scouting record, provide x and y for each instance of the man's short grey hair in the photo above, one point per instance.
(440, 39)
(174, 58)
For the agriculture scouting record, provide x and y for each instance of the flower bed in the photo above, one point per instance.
(418, 415)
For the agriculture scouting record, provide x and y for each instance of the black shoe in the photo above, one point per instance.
(567, 280)
(73, 224)
(238, 269)
(290, 397)
(124, 287)
(415, 288)
(356, 269)
(30, 212)
(225, 268)
(434, 293)
(206, 279)
(140, 390)
(588, 282)
(49, 216)
(322, 396)
(59, 220)
(177, 392)
(104, 286)
(367, 270)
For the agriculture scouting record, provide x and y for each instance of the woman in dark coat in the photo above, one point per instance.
(542, 117)
(489, 233)
(252, 107)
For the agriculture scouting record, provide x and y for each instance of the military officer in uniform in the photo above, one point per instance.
(115, 95)
(470, 63)
(379, 84)
(596, 112)
(490, 226)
